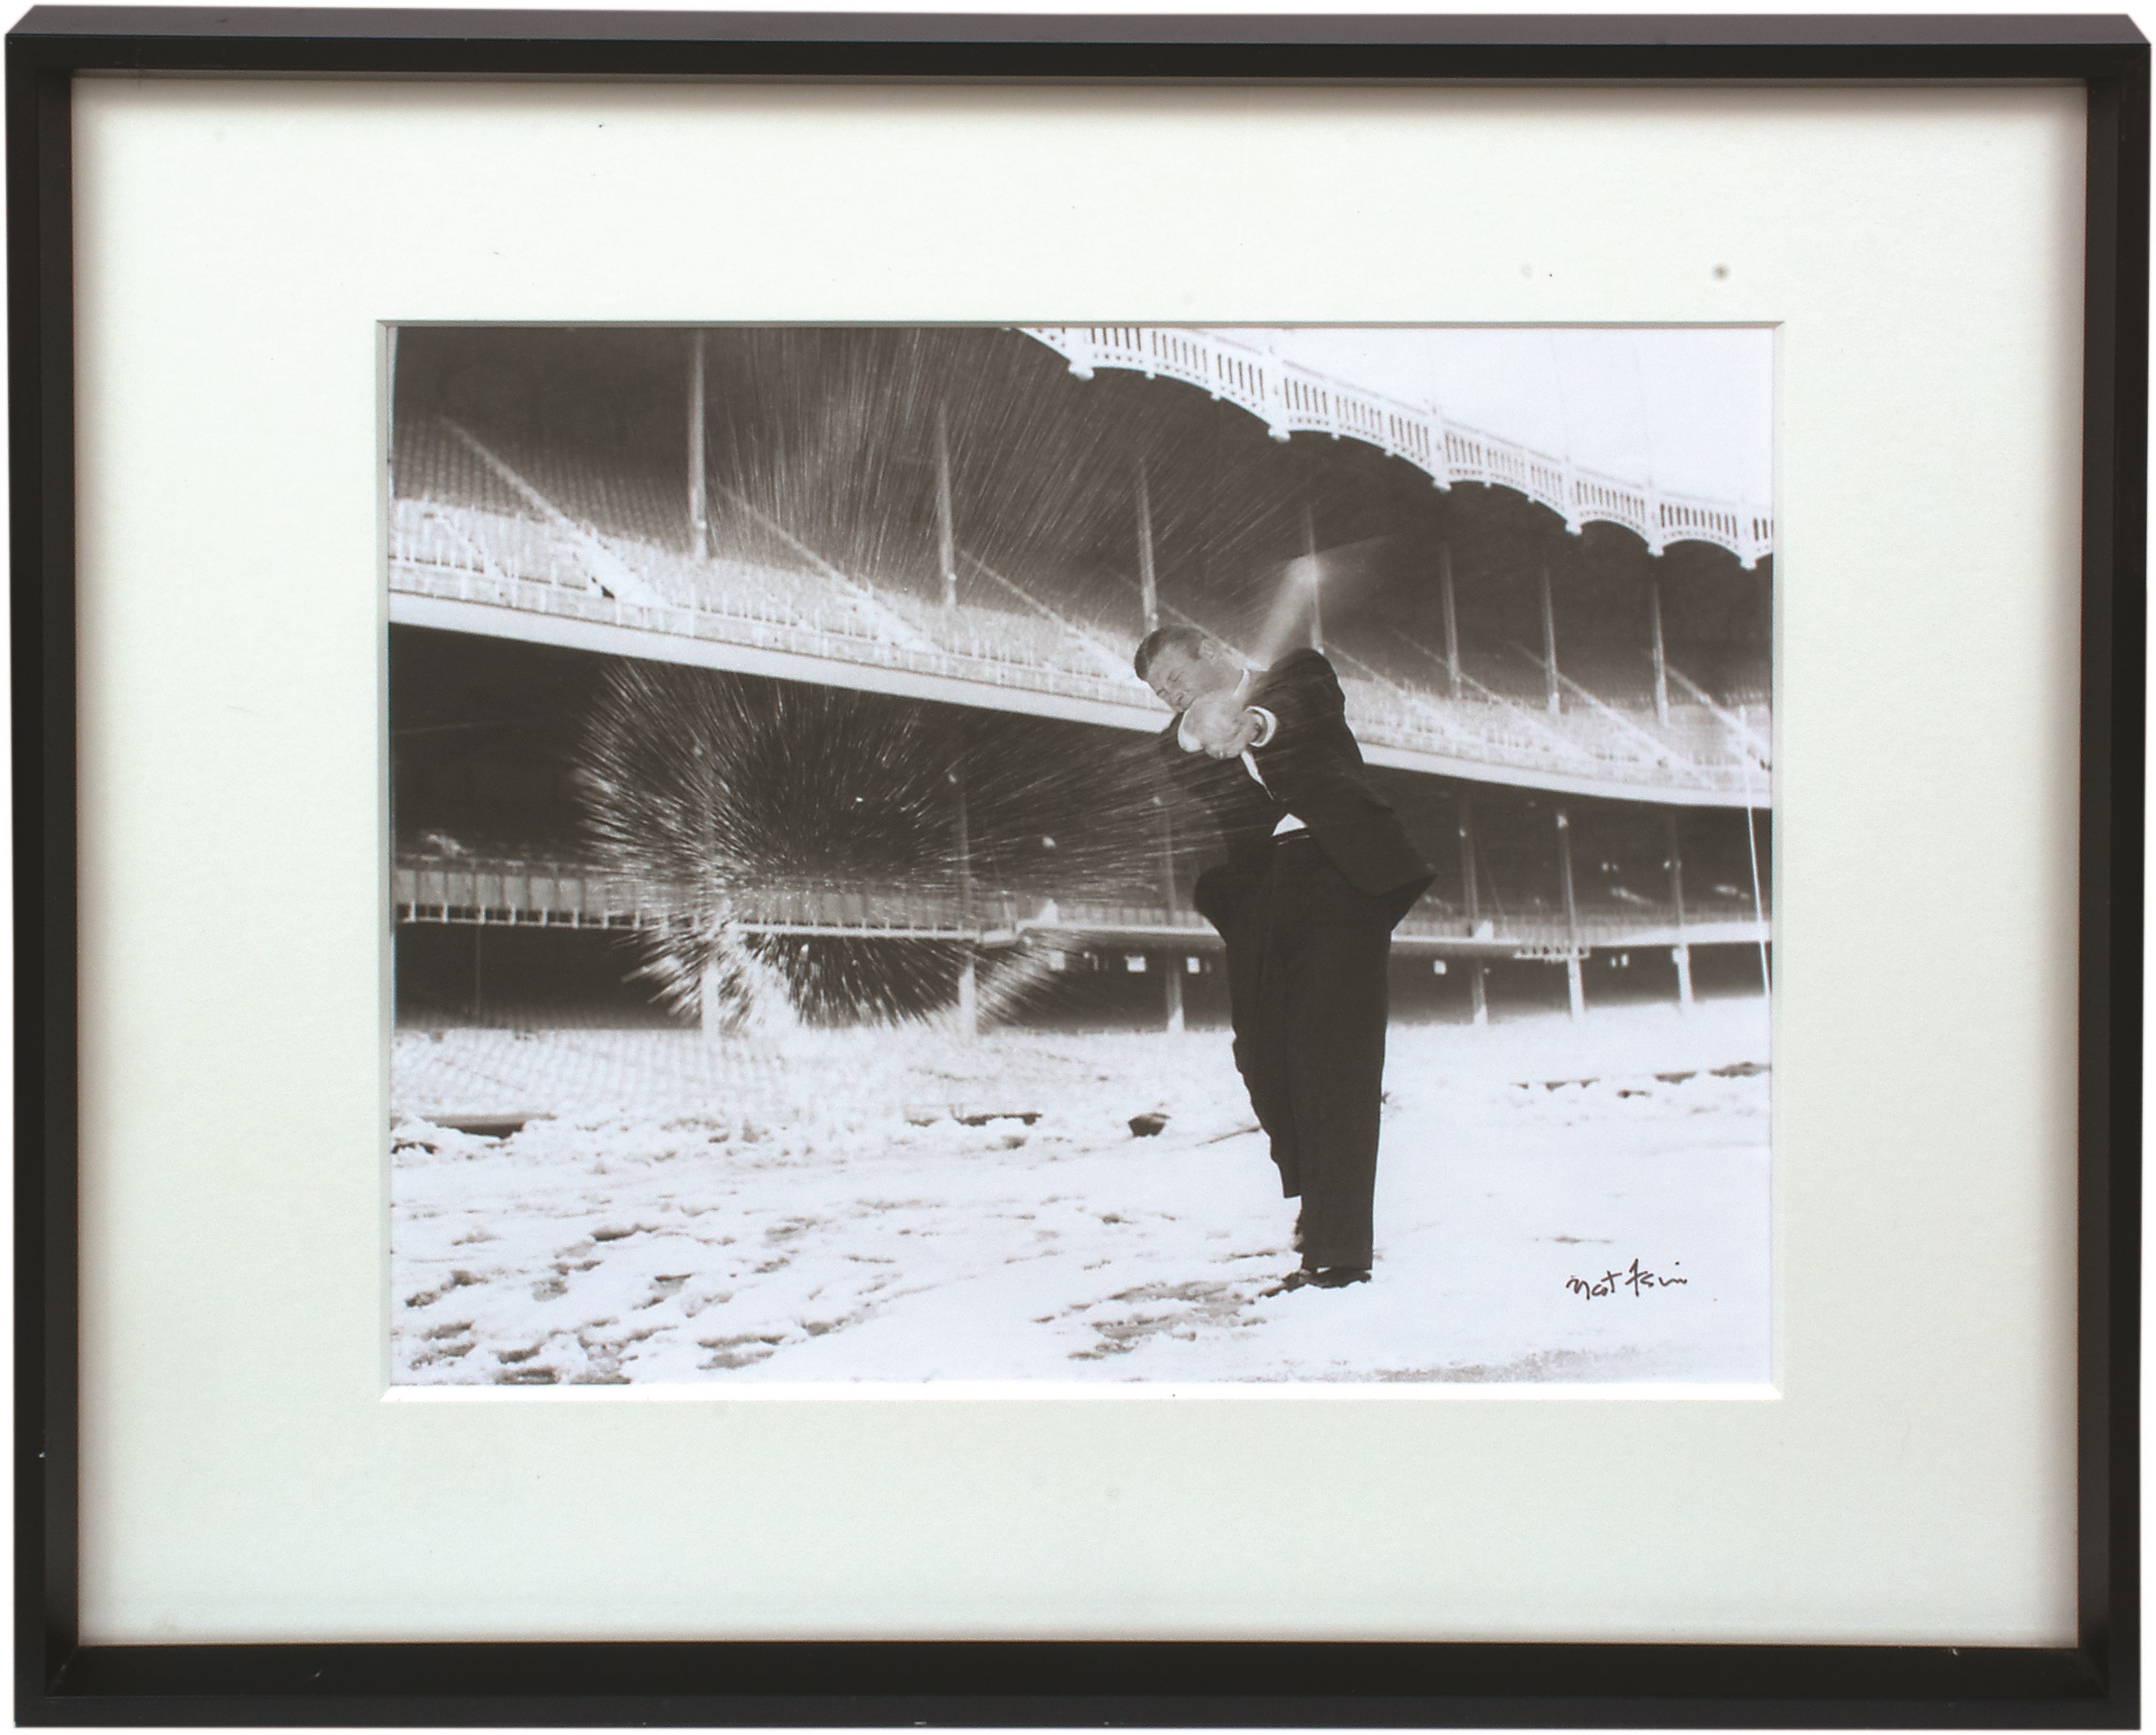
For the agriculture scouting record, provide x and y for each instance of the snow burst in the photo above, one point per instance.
(785, 824)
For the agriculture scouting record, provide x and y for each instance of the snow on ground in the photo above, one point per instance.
(816, 1208)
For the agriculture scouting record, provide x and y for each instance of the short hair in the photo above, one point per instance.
(1185, 639)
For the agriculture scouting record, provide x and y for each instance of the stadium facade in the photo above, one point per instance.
(1563, 677)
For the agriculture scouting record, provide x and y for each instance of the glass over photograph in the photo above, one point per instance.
(1079, 854)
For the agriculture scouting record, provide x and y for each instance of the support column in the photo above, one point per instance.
(1171, 963)
(969, 1016)
(1680, 953)
(1549, 648)
(1575, 985)
(710, 1014)
(700, 514)
(969, 995)
(946, 542)
(1758, 903)
(1661, 661)
(479, 971)
(1477, 988)
(1148, 590)
(1451, 623)
(1310, 549)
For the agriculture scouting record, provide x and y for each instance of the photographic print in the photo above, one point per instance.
(1114, 855)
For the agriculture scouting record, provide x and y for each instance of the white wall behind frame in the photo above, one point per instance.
(243, 1478)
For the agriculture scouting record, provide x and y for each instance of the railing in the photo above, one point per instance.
(1291, 399)
(468, 555)
(838, 639)
(484, 891)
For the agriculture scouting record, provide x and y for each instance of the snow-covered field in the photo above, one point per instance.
(868, 1206)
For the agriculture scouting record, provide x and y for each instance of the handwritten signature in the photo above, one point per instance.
(1635, 1277)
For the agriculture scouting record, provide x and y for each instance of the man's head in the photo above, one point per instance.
(1181, 664)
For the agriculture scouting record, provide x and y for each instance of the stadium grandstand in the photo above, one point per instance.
(1561, 675)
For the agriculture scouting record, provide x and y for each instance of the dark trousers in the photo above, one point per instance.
(1307, 964)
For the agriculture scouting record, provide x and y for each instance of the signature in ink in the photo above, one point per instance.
(1635, 1277)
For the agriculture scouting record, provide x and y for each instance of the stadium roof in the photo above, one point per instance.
(1667, 431)
(1687, 408)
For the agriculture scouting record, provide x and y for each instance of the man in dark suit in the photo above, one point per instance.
(1318, 873)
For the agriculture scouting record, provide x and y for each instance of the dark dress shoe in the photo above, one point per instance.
(1324, 1277)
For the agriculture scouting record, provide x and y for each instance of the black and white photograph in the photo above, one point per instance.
(1121, 856)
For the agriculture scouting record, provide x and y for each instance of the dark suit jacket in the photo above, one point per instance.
(1313, 769)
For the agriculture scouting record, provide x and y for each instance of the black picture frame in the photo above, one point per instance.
(60, 1681)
